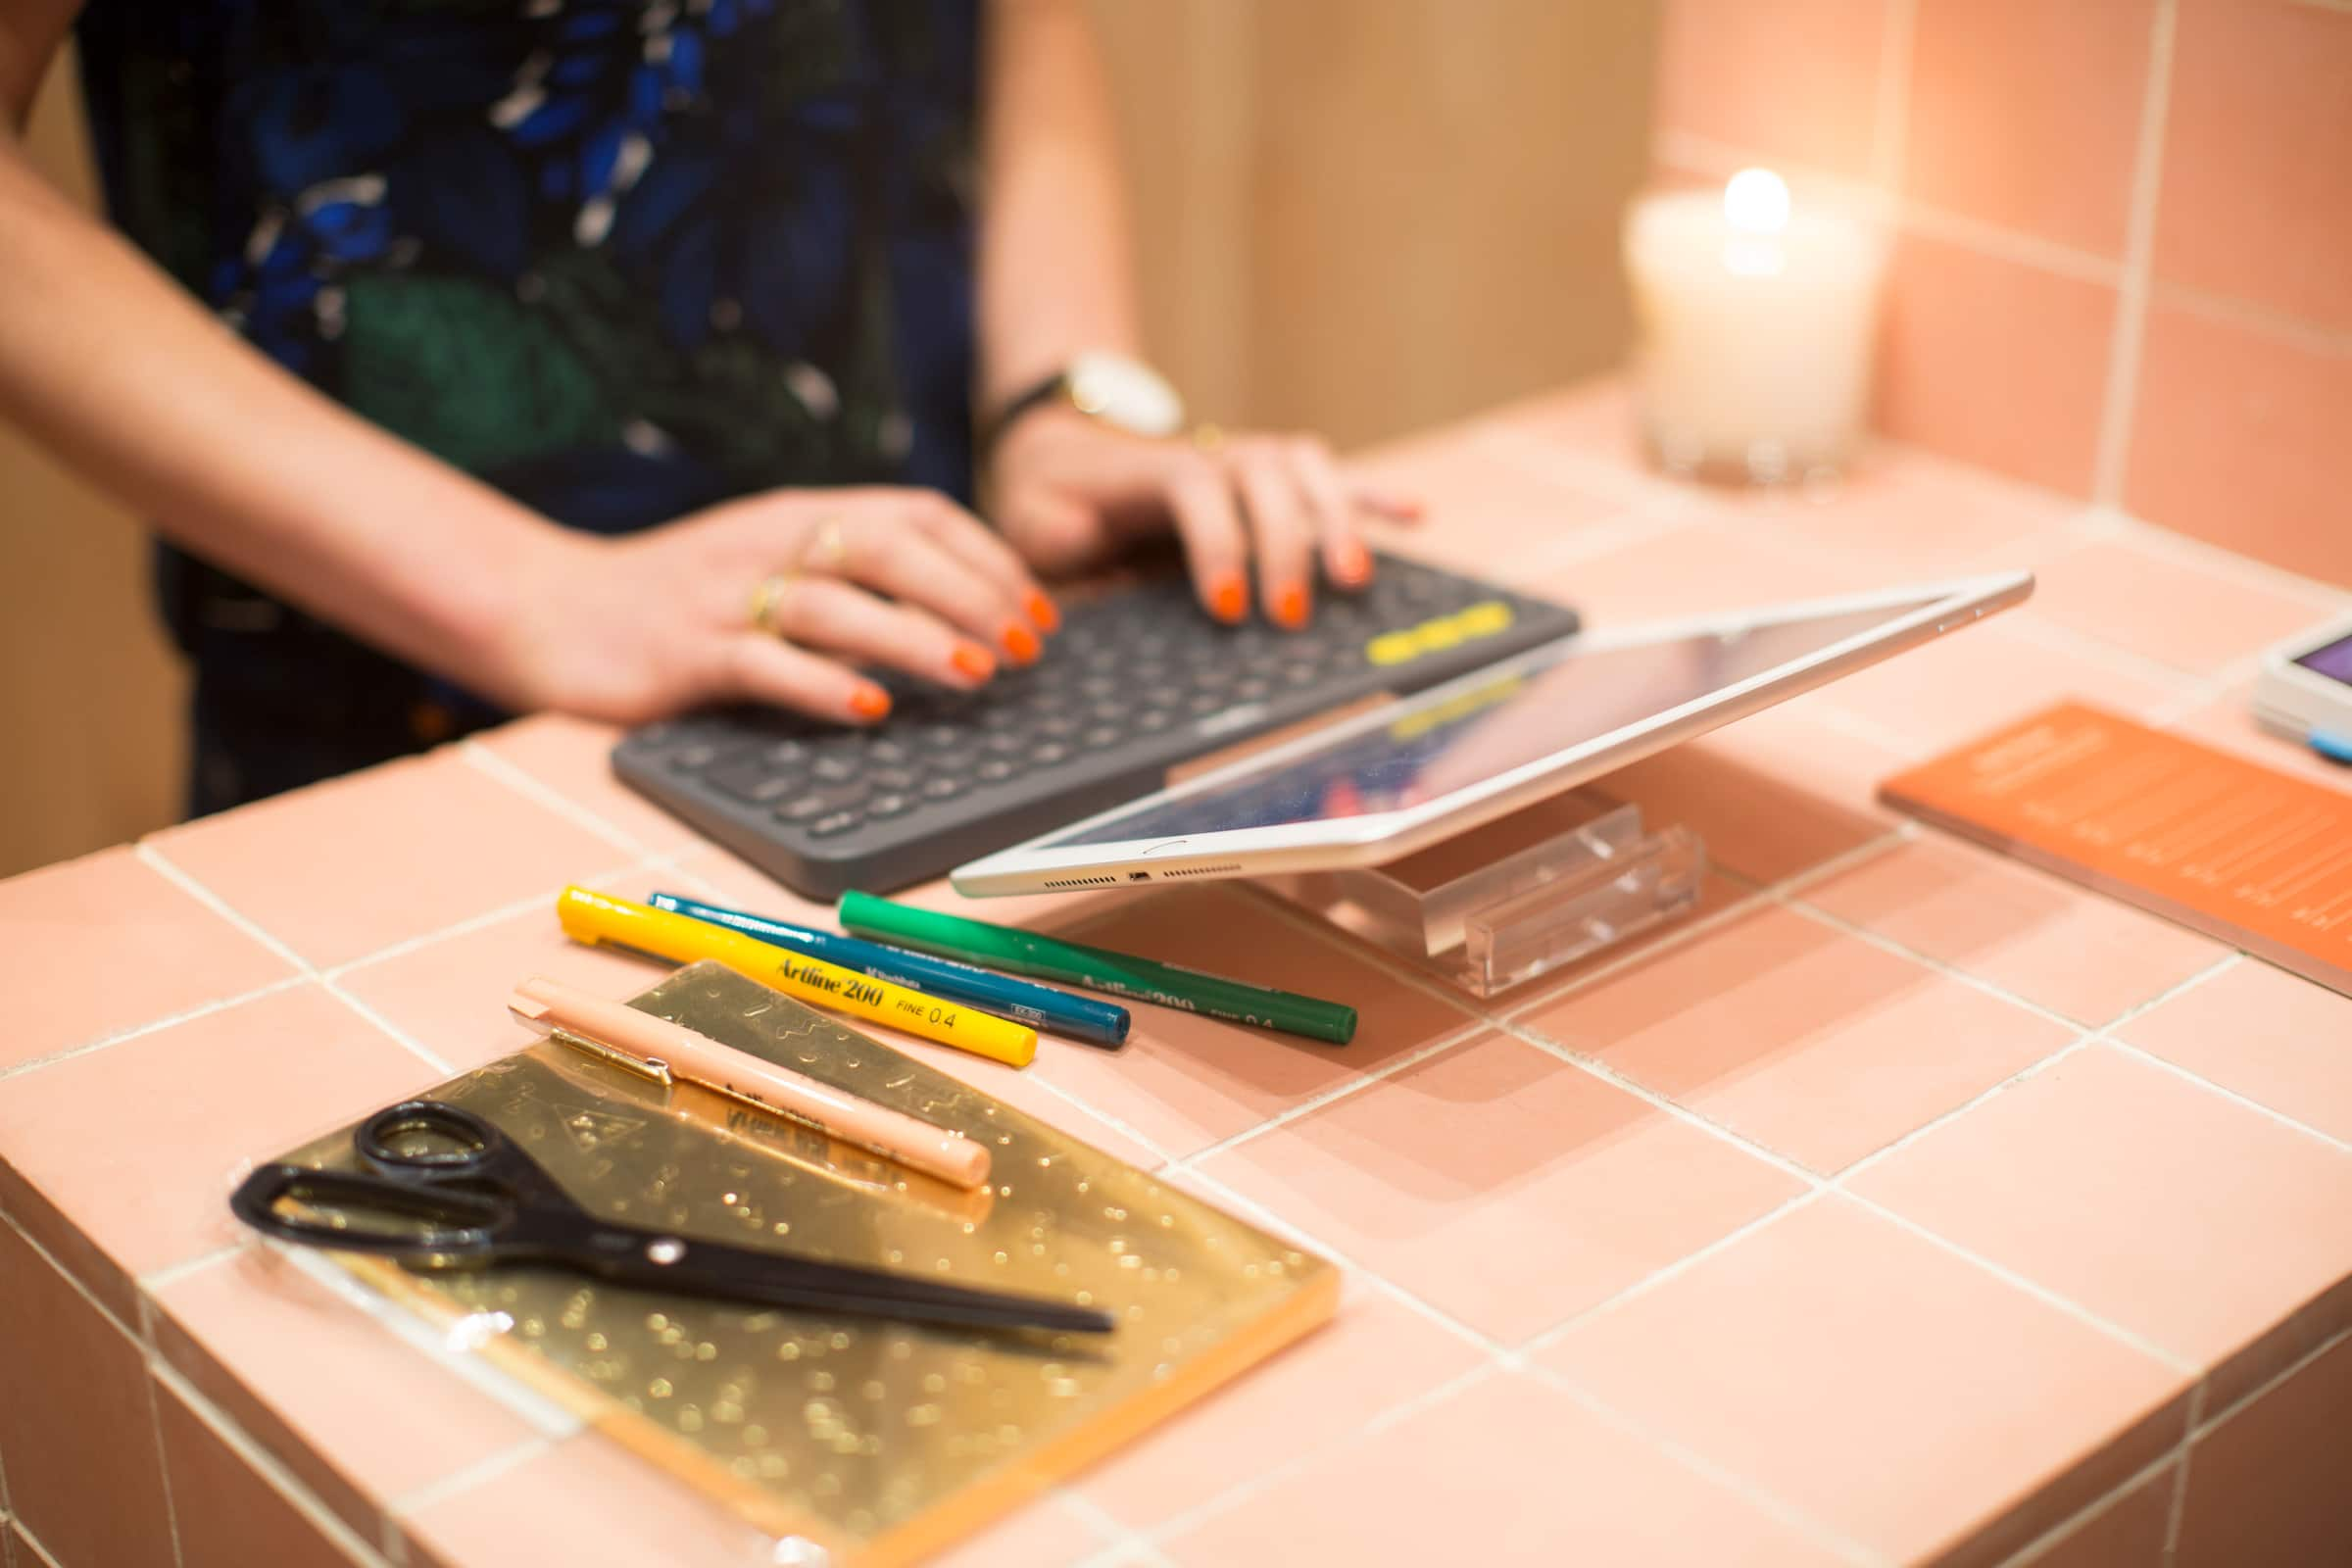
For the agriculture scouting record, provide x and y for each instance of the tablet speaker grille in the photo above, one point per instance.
(1200, 870)
(1082, 882)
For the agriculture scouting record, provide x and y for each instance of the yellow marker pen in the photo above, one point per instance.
(598, 920)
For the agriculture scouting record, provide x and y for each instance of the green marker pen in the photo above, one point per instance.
(1118, 974)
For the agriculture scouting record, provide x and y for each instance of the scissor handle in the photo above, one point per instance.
(461, 1224)
(477, 1141)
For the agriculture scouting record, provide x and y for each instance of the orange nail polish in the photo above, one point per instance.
(1290, 606)
(1354, 564)
(1022, 643)
(869, 701)
(1041, 611)
(972, 661)
(1229, 600)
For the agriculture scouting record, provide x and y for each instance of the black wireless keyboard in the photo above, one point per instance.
(1137, 681)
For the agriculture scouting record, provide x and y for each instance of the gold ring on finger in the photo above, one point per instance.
(1208, 437)
(767, 601)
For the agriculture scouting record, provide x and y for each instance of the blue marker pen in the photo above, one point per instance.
(1099, 1023)
(2335, 747)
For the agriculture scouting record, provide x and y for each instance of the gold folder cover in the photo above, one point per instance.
(881, 1443)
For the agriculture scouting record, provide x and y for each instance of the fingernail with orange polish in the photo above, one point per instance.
(869, 701)
(1229, 600)
(1290, 606)
(972, 661)
(1021, 643)
(1041, 611)
(1352, 564)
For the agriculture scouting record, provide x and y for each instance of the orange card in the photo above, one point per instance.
(2256, 859)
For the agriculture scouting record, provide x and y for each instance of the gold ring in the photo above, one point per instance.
(828, 551)
(768, 598)
(1208, 437)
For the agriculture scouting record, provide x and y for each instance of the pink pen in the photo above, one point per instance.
(663, 1050)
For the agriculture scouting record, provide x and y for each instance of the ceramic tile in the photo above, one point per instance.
(1738, 560)
(2054, 943)
(1507, 1472)
(2234, 438)
(2270, 1036)
(586, 1502)
(1184, 1081)
(2227, 722)
(1376, 1354)
(1484, 502)
(343, 868)
(1042, 1535)
(2266, 1484)
(1993, 362)
(1774, 794)
(2260, 112)
(1980, 679)
(78, 926)
(76, 1428)
(1833, 1344)
(304, 1374)
(1809, 1041)
(1794, 83)
(451, 994)
(1436, 1178)
(573, 757)
(2027, 116)
(2125, 1531)
(1595, 421)
(2153, 1202)
(227, 1514)
(716, 874)
(2164, 610)
(139, 1144)
(1910, 514)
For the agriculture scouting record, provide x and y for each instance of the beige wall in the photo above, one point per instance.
(1356, 216)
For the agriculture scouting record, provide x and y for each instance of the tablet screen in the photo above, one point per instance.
(1483, 730)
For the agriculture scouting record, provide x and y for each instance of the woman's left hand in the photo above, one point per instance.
(1068, 492)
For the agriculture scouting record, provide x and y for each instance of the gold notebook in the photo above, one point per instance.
(881, 1443)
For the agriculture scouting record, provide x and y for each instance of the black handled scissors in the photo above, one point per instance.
(482, 1200)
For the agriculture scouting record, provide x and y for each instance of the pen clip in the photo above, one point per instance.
(530, 1010)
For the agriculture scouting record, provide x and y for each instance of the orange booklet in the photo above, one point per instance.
(2259, 859)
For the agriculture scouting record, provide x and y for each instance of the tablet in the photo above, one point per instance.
(1391, 781)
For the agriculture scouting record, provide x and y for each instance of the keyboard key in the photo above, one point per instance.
(1049, 754)
(834, 768)
(889, 804)
(839, 823)
(752, 780)
(1102, 737)
(995, 770)
(892, 778)
(945, 787)
(803, 808)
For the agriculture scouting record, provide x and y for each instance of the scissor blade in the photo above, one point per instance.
(768, 1279)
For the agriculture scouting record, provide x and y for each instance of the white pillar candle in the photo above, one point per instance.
(1756, 323)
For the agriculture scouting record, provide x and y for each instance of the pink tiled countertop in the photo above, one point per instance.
(1902, 1206)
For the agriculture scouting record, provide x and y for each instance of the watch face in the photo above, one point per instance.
(1120, 391)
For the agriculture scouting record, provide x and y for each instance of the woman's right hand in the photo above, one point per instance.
(641, 626)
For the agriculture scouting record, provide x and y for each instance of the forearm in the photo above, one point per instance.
(1055, 267)
(116, 369)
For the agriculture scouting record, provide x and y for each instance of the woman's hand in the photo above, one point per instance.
(1069, 492)
(643, 625)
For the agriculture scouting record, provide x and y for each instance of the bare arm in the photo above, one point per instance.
(109, 363)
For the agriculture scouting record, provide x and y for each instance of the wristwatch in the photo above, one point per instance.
(1124, 393)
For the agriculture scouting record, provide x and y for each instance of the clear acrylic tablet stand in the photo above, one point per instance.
(1501, 904)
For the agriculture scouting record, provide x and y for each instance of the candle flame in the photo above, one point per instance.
(1757, 202)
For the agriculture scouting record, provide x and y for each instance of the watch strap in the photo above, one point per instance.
(1028, 399)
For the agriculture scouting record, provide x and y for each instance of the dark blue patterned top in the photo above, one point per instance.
(619, 258)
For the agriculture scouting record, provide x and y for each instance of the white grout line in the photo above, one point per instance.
(2209, 559)
(1937, 1122)
(2026, 250)
(418, 1498)
(2308, 337)
(104, 1042)
(2212, 1421)
(151, 1391)
(156, 1281)
(528, 785)
(1118, 1124)
(2139, 249)
(2268, 1112)
(267, 1467)
(471, 925)
(156, 861)
(1891, 110)
(2040, 1547)
(1886, 944)
(1099, 1519)
(72, 1279)
(25, 1533)
(2040, 1293)
(1758, 1498)
(2180, 1499)
(398, 1036)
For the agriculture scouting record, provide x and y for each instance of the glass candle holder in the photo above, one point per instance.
(1757, 321)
